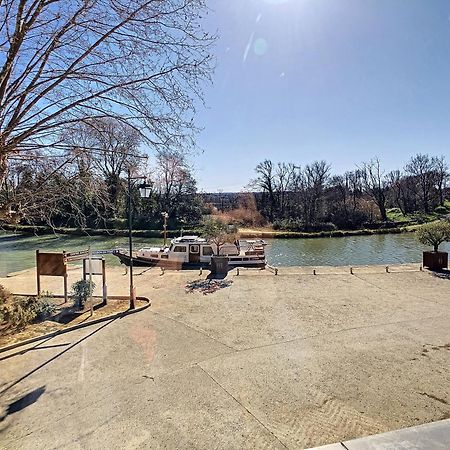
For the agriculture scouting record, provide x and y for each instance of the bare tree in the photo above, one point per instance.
(266, 182)
(315, 177)
(376, 185)
(285, 175)
(441, 176)
(108, 147)
(140, 61)
(421, 167)
(174, 183)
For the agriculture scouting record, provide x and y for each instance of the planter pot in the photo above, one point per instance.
(435, 260)
(219, 265)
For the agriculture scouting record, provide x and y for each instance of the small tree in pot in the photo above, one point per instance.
(434, 234)
(219, 233)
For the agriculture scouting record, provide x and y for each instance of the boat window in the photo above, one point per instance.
(180, 249)
(194, 249)
(207, 251)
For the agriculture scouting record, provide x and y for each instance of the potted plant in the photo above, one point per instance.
(81, 290)
(219, 233)
(434, 234)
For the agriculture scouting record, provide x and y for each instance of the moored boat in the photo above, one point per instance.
(193, 251)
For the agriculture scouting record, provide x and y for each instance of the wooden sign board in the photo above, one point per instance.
(52, 264)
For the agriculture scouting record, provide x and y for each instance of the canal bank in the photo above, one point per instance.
(17, 251)
(245, 233)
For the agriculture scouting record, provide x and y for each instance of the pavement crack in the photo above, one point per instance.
(242, 406)
(433, 397)
(197, 330)
(390, 292)
(343, 330)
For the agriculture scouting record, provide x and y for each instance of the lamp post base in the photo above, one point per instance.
(132, 297)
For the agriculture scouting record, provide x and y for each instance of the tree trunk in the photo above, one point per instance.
(383, 213)
(3, 167)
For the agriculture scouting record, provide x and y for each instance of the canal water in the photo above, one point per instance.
(17, 252)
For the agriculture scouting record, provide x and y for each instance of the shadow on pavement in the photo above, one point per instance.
(23, 402)
(31, 372)
(443, 274)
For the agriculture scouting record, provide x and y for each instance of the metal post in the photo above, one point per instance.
(38, 274)
(66, 295)
(105, 294)
(165, 229)
(91, 300)
(130, 240)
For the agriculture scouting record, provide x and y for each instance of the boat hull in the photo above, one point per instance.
(178, 265)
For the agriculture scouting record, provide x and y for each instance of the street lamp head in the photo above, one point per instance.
(145, 190)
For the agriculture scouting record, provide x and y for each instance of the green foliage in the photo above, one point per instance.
(5, 297)
(434, 234)
(298, 225)
(17, 312)
(219, 232)
(441, 210)
(80, 292)
(396, 215)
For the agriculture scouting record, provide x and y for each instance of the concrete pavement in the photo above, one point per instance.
(430, 436)
(292, 361)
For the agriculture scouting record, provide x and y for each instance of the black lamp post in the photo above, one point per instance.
(144, 192)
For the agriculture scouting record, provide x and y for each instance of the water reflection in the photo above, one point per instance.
(356, 250)
(17, 252)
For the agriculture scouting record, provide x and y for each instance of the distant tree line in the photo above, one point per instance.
(87, 187)
(311, 198)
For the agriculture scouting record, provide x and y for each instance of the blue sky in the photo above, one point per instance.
(340, 80)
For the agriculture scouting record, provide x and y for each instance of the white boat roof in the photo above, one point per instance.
(186, 239)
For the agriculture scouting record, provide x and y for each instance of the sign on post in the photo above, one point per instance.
(76, 256)
(96, 266)
(51, 264)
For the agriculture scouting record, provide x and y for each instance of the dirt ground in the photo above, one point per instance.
(53, 323)
(289, 361)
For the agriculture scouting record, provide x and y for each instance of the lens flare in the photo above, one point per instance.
(260, 46)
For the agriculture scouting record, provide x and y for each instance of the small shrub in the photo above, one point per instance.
(5, 298)
(44, 308)
(17, 312)
(440, 210)
(434, 234)
(80, 292)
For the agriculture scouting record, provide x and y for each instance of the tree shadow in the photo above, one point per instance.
(443, 274)
(217, 276)
(23, 402)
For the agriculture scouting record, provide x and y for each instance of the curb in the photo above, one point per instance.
(80, 325)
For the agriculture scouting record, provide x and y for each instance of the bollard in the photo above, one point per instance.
(237, 271)
(351, 270)
(387, 269)
(201, 270)
(421, 268)
(276, 271)
(314, 271)
(162, 270)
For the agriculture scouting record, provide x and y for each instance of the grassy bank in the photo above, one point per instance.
(40, 230)
(269, 234)
(263, 233)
